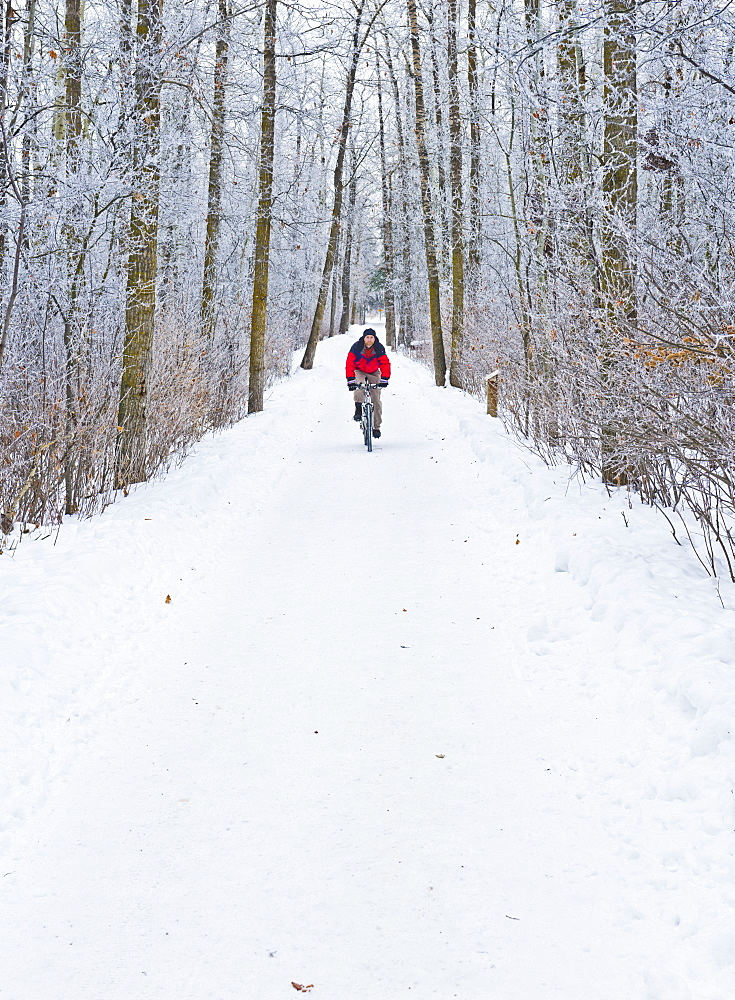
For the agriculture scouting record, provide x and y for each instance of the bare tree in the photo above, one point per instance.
(214, 197)
(402, 271)
(131, 460)
(620, 174)
(474, 249)
(387, 227)
(455, 132)
(72, 126)
(259, 315)
(437, 336)
(344, 320)
(620, 197)
(8, 19)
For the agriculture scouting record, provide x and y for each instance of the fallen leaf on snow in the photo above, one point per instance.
(439, 755)
(303, 989)
(168, 598)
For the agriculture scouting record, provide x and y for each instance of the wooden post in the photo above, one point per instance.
(492, 394)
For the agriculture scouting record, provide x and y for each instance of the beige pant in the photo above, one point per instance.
(361, 378)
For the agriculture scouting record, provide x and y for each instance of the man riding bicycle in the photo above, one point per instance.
(368, 363)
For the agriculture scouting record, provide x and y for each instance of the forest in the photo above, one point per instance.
(192, 190)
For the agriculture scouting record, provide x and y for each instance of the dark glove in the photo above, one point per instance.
(351, 384)
(383, 384)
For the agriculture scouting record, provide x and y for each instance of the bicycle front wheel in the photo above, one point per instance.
(367, 425)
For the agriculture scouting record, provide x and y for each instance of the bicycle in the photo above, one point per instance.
(368, 409)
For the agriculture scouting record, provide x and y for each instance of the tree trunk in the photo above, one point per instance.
(358, 305)
(455, 177)
(475, 220)
(523, 294)
(344, 320)
(388, 293)
(307, 361)
(538, 170)
(406, 325)
(571, 119)
(333, 303)
(437, 338)
(620, 195)
(72, 123)
(442, 198)
(296, 275)
(570, 142)
(131, 459)
(214, 198)
(620, 175)
(673, 194)
(73, 83)
(126, 51)
(9, 19)
(20, 239)
(29, 97)
(259, 314)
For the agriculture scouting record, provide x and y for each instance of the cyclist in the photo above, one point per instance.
(368, 362)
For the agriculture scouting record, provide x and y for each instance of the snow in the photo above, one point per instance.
(431, 721)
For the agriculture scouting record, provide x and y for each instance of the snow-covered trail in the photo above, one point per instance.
(411, 725)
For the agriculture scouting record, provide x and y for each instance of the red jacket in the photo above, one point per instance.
(366, 362)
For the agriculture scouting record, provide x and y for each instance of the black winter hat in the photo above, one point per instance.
(369, 333)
